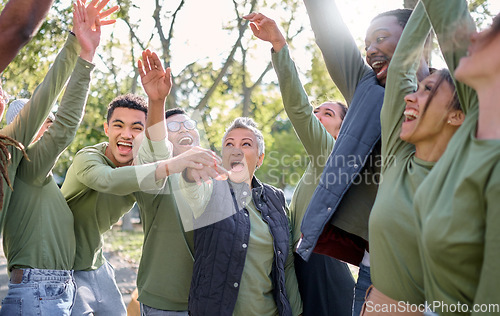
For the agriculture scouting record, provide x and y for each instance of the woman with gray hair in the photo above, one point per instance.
(243, 260)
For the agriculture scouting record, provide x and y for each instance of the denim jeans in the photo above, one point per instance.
(150, 311)
(41, 292)
(97, 293)
(362, 285)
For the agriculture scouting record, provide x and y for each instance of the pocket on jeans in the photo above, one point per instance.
(11, 306)
(53, 290)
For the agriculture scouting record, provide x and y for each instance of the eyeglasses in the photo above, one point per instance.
(176, 126)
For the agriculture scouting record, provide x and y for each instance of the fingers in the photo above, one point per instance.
(140, 68)
(101, 5)
(109, 11)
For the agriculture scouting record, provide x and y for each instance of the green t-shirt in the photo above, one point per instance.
(98, 194)
(29, 120)
(39, 224)
(452, 206)
(166, 266)
(317, 142)
(394, 258)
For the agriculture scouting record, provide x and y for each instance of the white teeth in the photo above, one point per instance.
(377, 64)
(411, 114)
(124, 144)
(186, 140)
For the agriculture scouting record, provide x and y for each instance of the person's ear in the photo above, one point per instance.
(106, 126)
(456, 118)
(261, 159)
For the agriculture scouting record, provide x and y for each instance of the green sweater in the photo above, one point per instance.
(317, 142)
(164, 279)
(457, 204)
(27, 123)
(394, 257)
(98, 194)
(39, 224)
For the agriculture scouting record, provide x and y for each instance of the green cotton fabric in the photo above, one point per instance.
(98, 194)
(27, 123)
(457, 204)
(166, 266)
(317, 142)
(395, 265)
(39, 224)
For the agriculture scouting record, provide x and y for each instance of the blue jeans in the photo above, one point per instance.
(40, 292)
(362, 285)
(97, 293)
(150, 311)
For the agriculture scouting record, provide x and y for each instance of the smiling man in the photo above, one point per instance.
(98, 188)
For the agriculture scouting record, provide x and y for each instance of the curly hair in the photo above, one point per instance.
(5, 160)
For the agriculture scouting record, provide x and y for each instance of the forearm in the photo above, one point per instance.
(19, 21)
(309, 129)
(453, 24)
(45, 152)
(34, 113)
(156, 128)
(402, 79)
(340, 52)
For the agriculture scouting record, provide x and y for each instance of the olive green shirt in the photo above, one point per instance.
(39, 224)
(317, 142)
(457, 204)
(98, 194)
(29, 120)
(395, 264)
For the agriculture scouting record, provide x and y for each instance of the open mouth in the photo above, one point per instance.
(380, 68)
(410, 115)
(124, 147)
(186, 141)
(237, 166)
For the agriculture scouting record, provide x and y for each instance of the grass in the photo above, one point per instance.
(127, 244)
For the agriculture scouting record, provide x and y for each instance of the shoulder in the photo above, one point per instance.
(94, 152)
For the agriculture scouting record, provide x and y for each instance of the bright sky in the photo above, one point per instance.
(199, 32)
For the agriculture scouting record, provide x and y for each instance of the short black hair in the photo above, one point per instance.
(175, 111)
(403, 15)
(129, 101)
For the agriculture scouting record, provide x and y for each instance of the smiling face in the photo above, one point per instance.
(482, 64)
(240, 155)
(330, 115)
(124, 126)
(381, 40)
(425, 115)
(182, 139)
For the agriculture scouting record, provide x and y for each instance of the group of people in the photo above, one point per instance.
(217, 241)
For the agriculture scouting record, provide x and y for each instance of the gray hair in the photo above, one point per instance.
(247, 123)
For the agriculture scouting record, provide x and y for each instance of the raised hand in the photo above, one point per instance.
(266, 29)
(156, 81)
(87, 25)
(94, 10)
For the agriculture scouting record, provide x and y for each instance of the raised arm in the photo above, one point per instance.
(19, 22)
(157, 83)
(314, 137)
(44, 153)
(402, 80)
(340, 52)
(453, 24)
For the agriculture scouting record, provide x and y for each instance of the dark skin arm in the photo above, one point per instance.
(19, 22)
